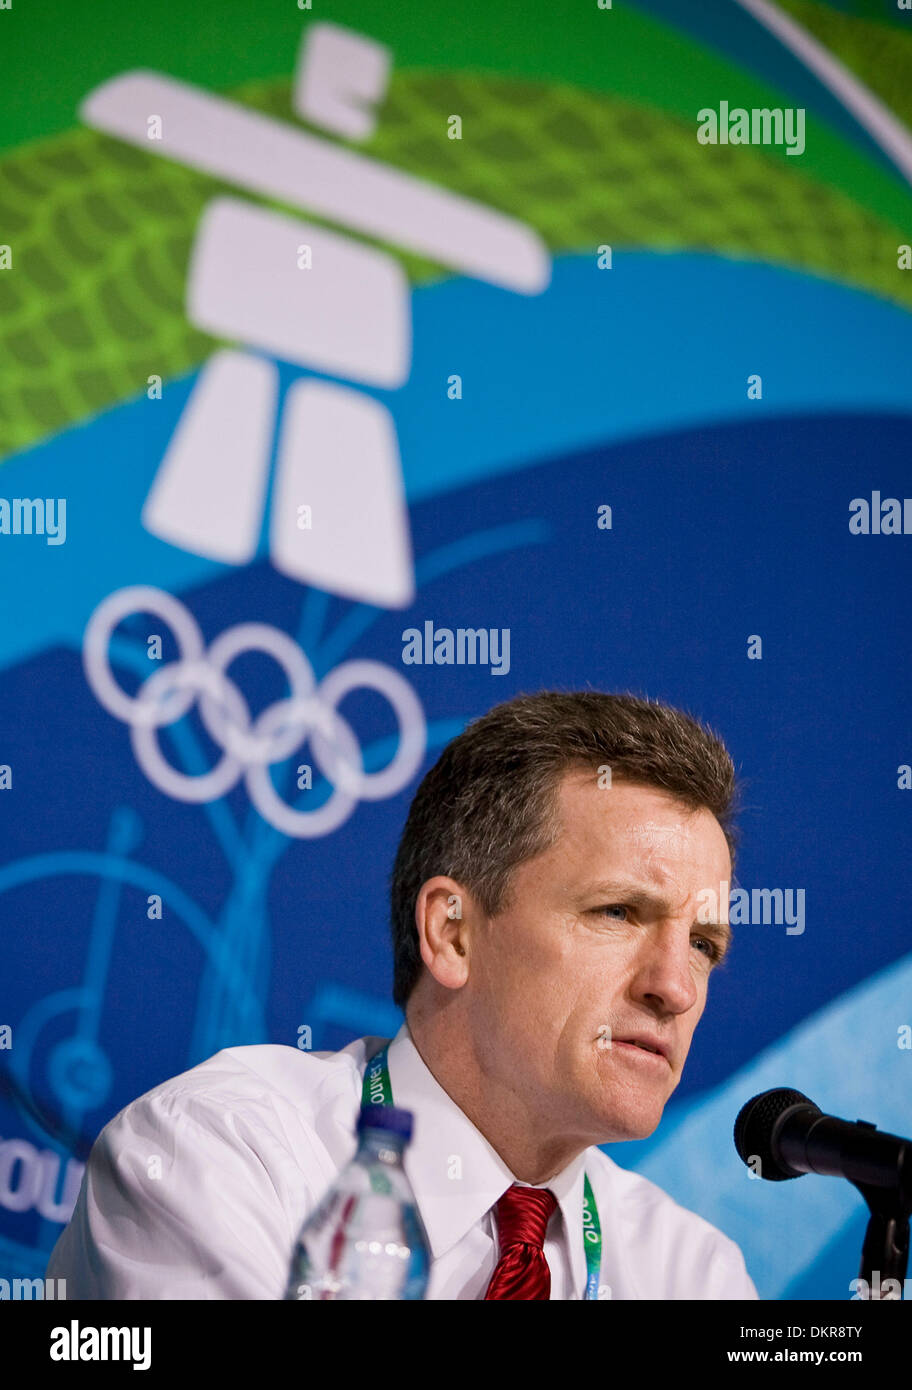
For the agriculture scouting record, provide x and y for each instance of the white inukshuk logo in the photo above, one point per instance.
(311, 297)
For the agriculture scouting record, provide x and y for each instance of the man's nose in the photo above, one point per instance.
(663, 976)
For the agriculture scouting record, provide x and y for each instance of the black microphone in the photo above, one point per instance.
(790, 1136)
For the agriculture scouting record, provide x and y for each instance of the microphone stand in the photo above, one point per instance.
(885, 1252)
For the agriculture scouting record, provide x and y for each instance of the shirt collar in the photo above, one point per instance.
(455, 1173)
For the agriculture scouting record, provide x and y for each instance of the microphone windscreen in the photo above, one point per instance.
(756, 1124)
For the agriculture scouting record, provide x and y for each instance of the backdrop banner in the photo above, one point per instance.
(364, 366)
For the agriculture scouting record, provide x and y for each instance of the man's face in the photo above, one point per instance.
(601, 942)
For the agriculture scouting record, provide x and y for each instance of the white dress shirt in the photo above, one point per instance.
(197, 1190)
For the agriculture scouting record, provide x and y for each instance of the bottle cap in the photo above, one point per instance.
(387, 1117)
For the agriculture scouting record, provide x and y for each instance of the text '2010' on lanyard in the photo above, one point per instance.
(378, 1090)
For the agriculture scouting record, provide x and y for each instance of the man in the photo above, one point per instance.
(552, 962)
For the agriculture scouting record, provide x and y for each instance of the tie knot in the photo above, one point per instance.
(522, 1216)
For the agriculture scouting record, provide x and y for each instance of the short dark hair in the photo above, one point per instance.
(490, 801)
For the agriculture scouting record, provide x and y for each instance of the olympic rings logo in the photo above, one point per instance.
(249, 747)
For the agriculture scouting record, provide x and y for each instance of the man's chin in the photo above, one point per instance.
(627, 1120)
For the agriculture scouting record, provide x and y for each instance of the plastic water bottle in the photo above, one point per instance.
(366, 1239)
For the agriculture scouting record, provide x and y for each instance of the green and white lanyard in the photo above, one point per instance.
(377, 1089)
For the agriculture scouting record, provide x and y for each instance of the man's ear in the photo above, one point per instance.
(444, 913)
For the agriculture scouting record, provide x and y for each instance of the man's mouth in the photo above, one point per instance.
(644, 1044)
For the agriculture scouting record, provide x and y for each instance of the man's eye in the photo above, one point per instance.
(712, 953)
(612, 907)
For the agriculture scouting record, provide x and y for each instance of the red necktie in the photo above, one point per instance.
(522, 1218)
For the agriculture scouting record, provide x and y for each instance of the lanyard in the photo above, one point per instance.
(377, 1089)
